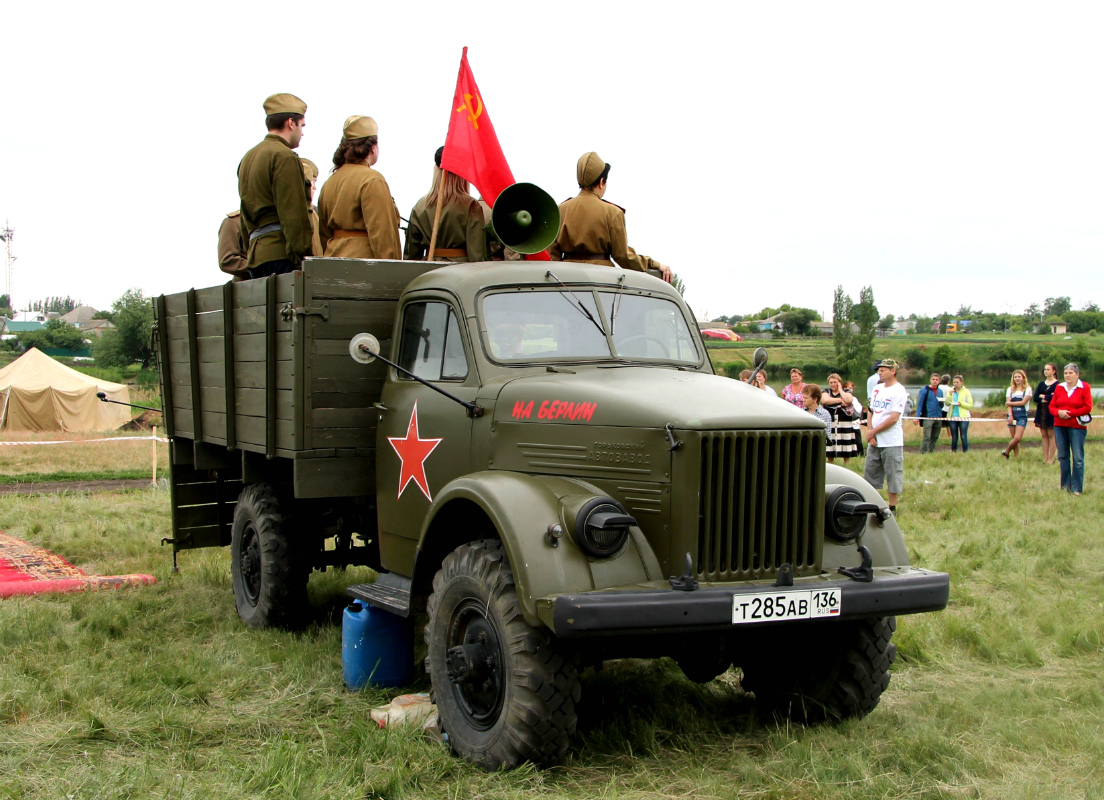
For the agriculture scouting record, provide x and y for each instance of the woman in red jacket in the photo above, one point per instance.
(1071, 405)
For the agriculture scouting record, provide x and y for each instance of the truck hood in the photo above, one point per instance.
(645, 397)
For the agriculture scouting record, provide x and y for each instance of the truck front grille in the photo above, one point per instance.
(761, 503)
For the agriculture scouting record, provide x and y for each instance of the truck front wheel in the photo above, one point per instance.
(504, 693)
(839, 672)
(270, 584)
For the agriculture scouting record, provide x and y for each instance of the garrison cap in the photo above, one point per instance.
(589, 169)
(310, 169)
(284, 104)
(359, 126)
(437, 156)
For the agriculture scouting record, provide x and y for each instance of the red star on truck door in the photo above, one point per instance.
(413, 452)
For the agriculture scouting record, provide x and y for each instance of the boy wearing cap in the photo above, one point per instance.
(885, 456)
(592, 230)
(357, 217)
(274, 221)
(231, 247)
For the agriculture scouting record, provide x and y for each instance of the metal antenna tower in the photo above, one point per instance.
(6, 236)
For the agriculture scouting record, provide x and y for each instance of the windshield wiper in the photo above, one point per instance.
(617, 303)
(578, 305)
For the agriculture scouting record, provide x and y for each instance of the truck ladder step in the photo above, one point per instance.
(390, 592)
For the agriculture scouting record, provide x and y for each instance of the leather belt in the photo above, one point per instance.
(450, 252)
(350, 234)
(585, 257)
(261, 231)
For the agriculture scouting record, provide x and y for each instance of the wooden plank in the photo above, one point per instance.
(176, 305)
(209, 325)
(358, 387)
(212, 375)
(252, 320)
(343, 437)
(350, 317)
(344, 367)
(330, 347)
(334, 477)
(300, 337)
(329, 452)
(193, 365)
(252, 430)
(252, 347)
(357, 278)
(228, 390)
(197, 516)
(252, 403)
(164, 365)
(253, 293)
(209, 299)
(177, 328)
(251, 375)
(194, 494)
(203, 536)
(344, 418)
(270, 348)
(210, 350)
(362, 399)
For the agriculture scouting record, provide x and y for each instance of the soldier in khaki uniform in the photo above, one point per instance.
(310, 176)
(357, 217)
(460, 236)
(592, 230)
(274, 218)
(231, 247)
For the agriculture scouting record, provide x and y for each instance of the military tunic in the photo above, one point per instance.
(316, 240)
(592, 230)
(357, 217)
(270, 184)
(231, 247)
(460, 228)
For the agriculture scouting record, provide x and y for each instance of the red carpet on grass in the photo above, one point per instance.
(26, 569)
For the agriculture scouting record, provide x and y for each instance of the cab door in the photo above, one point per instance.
(424, 438)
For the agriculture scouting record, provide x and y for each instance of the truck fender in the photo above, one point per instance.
(521, 508)
(885, 542)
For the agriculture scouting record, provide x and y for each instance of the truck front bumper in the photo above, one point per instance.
(893, 592)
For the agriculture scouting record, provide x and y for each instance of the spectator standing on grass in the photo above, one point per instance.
(959, 403)
(1016, 398)
(842, 438)
(930, 410)
(1071, 407)
(792, 391)
(761, 379)
(885, 457)
(1044, 420)
(856, 417)
(810, 396)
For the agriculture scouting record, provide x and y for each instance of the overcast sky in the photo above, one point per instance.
(947, 153)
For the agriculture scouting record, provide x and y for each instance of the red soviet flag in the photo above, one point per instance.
(472, 150)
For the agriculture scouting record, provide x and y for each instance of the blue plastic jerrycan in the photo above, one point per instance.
(377, 648)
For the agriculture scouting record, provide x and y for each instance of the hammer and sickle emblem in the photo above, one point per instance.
(474, 111)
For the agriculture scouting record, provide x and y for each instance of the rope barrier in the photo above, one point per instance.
(86, 441)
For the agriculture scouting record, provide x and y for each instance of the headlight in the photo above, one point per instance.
(602, 527)
(845, 514)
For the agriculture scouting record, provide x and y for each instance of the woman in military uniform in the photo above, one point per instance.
(357, 217)
(460, 234)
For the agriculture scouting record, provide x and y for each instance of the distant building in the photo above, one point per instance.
(1056, 326)
(96, 327)
(80, 316)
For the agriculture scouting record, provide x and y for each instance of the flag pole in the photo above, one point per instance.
(436, 216)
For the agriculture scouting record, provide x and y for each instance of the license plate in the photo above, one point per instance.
(784, 606)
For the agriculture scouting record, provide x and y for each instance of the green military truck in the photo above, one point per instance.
(546, 468)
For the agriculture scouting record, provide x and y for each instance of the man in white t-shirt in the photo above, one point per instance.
(885, 456)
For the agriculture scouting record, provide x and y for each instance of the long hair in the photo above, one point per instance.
(451, 184)
(1012, 383)
(351, 151)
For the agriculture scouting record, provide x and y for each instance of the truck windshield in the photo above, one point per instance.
(585, 324)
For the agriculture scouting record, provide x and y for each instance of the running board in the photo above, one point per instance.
(390, 592)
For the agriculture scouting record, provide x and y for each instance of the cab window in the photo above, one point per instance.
(431, 346)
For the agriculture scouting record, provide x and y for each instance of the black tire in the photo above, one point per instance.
(839, 673)
(504, 694)
(270, 583)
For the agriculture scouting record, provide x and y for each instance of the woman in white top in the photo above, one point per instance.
(1016, 398)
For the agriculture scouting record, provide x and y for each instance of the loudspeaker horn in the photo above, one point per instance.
(525, 218)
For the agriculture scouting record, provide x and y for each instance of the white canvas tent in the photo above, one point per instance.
(39, 394)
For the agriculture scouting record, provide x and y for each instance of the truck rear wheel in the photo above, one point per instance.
(504, 694)
(270, 584)
(839, 673)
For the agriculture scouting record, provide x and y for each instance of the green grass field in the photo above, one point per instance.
(160, 692)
